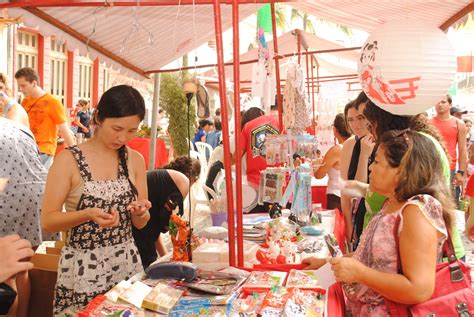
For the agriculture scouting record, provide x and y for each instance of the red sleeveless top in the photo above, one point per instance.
(448, 130)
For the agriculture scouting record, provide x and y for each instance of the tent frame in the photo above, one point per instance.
(33, 5)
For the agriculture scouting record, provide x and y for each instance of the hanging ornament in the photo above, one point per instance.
(406, 66)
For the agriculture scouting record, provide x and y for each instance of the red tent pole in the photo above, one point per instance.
(238, 145)
(225, 131)
(312, 99)
(277, 67)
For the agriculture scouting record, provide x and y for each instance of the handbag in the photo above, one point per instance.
(452, 296)
(336, 302)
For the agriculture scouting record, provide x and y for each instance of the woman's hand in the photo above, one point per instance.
(139, 208)
(367, 144)
(347, 270)
(313, 263)
(103, 219)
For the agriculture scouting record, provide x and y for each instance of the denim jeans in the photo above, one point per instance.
(456, 190)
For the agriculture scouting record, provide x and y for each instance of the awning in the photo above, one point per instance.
(288, 44)
(368, 14)
(174, 30)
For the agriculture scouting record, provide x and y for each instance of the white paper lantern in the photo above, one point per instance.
(407, 66)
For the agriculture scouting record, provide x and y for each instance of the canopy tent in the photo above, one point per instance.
(288, 46)
(368, 14)
(120, 36)
(108, 36)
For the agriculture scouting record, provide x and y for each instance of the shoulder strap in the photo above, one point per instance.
(448, 247)
(123, 168)
(81, 163)
(352, 171)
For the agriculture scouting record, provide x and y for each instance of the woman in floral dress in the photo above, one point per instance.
(407, 172)
(102, 185)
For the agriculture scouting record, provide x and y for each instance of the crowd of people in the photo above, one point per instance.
(407, 172)
(408, 168)
(96, 191)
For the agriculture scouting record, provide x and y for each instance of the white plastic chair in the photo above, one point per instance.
(198, 196)
(204, 149)
(194, 155)
(209, 191)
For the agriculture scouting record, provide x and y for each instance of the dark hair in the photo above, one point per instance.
(83, 102)
(204, 122)
(28, 73)
(351, 104)
(340, 125)
(250, 114)
(118, 102)
(361, 98)
(218, 125)
(218, 112)
(449, 98)
(421, 168)
(189, 167)
(384, 121)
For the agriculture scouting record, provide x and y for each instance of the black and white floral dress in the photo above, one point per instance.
(95, 259)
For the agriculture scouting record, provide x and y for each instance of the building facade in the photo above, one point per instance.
(63, 73)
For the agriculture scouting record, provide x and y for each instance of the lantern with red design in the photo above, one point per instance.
(406, 66)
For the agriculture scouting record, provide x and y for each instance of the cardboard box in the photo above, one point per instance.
(43, 279)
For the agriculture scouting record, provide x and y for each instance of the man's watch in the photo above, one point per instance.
(460, 172)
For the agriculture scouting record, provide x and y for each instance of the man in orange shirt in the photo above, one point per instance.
(45, 113)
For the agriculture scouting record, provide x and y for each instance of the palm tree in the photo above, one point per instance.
(280, 17)
(307, 24)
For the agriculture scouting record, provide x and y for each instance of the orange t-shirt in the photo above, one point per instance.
(44, 114)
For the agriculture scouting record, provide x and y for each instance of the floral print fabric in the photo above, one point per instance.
(377, 250)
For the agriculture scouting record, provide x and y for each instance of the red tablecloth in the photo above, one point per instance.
(319, 195)
(142, 145)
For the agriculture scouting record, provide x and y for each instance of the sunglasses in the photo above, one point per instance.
(404, 134)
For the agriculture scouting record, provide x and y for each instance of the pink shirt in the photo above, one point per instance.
(448, 129)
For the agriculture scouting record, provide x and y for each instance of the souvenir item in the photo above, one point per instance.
(162, 298)
(100, 306)
(135, 294)
(303, 279)
(263, 280)
(180, 237)
(248, 306)
(303, 303)
(274, 303)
